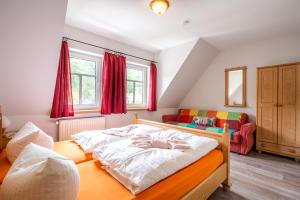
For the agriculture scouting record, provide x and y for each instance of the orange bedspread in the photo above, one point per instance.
(72, 151)
(96, 183)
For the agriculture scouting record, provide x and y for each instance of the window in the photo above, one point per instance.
(86, 82)
(85, 74)
(136, 86)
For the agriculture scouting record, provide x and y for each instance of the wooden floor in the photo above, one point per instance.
(262, 177)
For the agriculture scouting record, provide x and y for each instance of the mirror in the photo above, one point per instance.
(235, 86)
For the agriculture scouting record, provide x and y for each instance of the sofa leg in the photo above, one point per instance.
(259, 151)
(297, 159)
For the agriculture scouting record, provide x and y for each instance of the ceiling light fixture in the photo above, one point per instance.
(159, 6)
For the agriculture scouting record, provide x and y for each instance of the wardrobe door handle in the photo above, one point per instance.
(280, 105)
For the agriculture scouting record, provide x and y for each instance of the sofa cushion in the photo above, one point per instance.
(193, 112)
(184, 111)
(222, 115)
(187, 125)
(201, 127)
(204, 121)
(234, 119)
(220, 130)
(211, 113)
(185, 118)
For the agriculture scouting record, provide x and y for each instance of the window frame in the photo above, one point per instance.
(145, 69)
(98, 60)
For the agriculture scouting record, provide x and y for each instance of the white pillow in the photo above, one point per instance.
(39, 173)
(28, 133)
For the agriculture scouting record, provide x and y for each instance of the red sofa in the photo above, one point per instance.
(241, 130)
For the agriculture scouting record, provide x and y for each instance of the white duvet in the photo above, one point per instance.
(138, 168)
(89, 140)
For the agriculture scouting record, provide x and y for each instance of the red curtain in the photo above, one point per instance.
(152, 88)
(113, 84)
(62, 105)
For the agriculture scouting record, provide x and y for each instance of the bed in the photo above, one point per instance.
(196, 181)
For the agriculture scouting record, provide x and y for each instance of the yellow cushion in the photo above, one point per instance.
(194, 112)
(222, 115)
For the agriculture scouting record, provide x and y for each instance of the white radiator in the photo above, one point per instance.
(68, 127)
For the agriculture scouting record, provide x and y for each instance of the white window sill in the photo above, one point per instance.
(132, 109)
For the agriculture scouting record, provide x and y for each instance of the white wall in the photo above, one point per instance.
(92, 38)
(30, 39)
(209, 91)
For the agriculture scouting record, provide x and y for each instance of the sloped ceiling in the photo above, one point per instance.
(223, 23)
(183, 70)
(169, 63)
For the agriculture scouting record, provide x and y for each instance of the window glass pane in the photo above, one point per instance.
(75, 89)
(134, 74)
(88, 90)
(138, 93)
(129, 92)
(81, 66)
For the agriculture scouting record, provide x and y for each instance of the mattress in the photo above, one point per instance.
(96, 183)
(67, 148)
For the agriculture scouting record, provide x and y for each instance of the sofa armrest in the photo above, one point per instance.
(247, 130)
(167, 118)
(247, 138)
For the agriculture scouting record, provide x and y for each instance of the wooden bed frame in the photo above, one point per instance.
(220, 176)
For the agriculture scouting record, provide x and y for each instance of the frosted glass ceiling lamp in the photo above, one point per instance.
(159, 6)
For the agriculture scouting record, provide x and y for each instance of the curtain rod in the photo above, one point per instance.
(66, 38)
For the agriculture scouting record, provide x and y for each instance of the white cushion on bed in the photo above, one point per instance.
(28, 133)
(39, 173)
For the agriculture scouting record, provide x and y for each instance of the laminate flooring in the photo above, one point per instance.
(262, 177)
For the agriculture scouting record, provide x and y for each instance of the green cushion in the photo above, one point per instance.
(187, 125)
(183, 124)
(220, 130)
(233, 116)
(202, 113)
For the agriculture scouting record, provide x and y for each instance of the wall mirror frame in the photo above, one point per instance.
(235, 86)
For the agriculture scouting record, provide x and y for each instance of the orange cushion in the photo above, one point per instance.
(72, 151)
(96, 183)
(4, 165)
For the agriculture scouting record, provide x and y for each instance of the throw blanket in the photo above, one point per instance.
(154, 141)
(139, 168)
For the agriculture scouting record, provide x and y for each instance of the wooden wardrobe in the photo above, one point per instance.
(278, 110)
